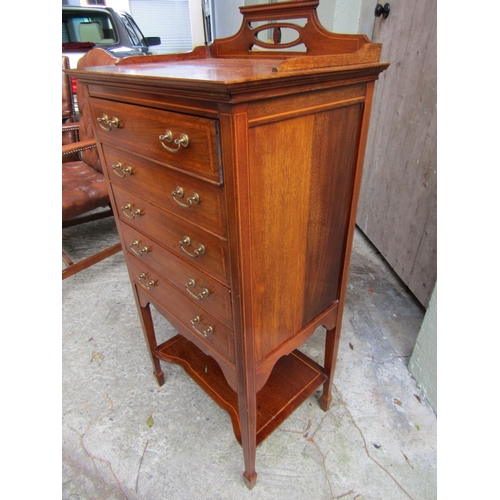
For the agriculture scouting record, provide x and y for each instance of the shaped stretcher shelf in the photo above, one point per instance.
(281, 395)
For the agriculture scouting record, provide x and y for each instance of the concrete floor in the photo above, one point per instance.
(126, 438)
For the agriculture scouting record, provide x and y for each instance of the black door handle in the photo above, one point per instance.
(383, 11)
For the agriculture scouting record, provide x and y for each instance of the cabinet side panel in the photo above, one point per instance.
(301, 183)
(280, 159)
(331, 191)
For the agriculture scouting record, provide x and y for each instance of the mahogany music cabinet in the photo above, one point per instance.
(234, 172)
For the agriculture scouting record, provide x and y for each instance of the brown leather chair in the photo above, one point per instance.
(84, 189)
(69, 115)
(68, 110)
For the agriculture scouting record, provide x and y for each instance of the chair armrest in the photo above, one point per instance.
(76, 147)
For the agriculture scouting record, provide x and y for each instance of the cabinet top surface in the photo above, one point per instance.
(228, 72)
(225, 71)
(245, 61)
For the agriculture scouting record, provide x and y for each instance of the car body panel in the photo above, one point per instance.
(114, 31)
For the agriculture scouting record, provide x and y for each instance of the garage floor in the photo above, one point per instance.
(126, 438)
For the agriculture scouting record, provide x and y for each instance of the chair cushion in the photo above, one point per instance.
(83, 189)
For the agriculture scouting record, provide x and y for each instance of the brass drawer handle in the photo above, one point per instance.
(139, 252)
(106, 123)
(120, 171)
(205, 292)
(149, 284)
(204, 333)
(127, 210)
(168, 136)
(197, 252)
(179, 193)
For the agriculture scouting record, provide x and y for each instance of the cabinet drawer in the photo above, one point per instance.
(199, 324)
(191, 243)
(209, 293)
(193, 147)
(187, 197)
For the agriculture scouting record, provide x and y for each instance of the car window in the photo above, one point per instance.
(88, 27)
(135, 34)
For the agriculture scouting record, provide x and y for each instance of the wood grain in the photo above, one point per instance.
(275, 402)
(398, 205)
(168, 230)
(153, 181)
(281, 154)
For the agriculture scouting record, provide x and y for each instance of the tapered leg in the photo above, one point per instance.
(149, 334)
(247, 407)
(331, 351)
(248, 421)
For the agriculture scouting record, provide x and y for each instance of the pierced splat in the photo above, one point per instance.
(287, 30)
(277, 36)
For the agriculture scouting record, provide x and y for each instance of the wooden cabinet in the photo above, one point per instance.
(234, 175)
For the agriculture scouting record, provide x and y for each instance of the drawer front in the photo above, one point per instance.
(193, 147)
(207, 292)
(199, 324)
(187, 197)
(191, 243)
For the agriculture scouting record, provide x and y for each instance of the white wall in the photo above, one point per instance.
(115, 4)
(227, 17)
(196, 16)
(348, 16)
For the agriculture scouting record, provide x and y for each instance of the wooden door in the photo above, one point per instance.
(397, 208)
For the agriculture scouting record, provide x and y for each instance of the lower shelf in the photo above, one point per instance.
(293, 379)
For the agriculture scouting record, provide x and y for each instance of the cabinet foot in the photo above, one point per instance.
(250, 480)
(331, 350)
(160, 377)
(325, 402)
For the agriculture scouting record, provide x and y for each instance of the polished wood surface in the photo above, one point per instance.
(170, 230)
(185, 310)
(157, 183)
(301, 227)
(140, 128)
(275, 402)
(277, 152)
(215, 296)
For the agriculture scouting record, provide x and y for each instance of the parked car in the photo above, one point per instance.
(115, 31)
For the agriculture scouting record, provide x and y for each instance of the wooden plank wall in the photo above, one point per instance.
(398, 203)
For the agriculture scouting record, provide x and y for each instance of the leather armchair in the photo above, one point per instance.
(84, 189)
(69, 118)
